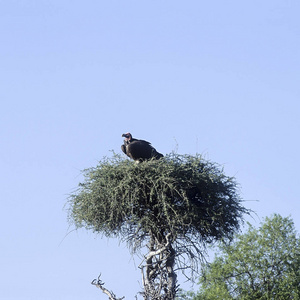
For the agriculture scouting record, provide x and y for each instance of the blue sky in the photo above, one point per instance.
(219, 78)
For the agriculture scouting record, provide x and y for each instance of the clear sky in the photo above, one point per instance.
(219, 78)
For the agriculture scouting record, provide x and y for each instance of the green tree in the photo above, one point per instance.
(263, 263)
(172, 206)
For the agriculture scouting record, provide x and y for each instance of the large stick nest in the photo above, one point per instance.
(184, 195)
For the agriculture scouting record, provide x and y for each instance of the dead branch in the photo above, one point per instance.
(100, 284)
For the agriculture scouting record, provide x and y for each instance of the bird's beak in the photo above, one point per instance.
(125, 135)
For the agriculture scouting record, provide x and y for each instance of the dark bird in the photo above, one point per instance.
(138, 150)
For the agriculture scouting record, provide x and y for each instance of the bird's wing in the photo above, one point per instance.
(139, 150)
(144, 142)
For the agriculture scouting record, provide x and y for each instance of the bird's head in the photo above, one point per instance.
(127, 136)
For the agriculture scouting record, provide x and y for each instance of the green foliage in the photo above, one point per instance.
(183, 195)
(263, 263)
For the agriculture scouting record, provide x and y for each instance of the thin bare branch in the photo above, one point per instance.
(100, 284)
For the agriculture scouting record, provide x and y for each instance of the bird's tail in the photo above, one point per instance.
(156, 154)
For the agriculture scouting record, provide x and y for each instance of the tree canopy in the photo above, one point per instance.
(263, 263)
(184, 195)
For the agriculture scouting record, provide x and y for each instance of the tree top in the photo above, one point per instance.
(183, 195)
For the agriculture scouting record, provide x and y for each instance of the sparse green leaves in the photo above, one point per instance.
(264, 263)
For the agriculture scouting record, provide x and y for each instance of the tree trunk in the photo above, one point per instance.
(159, 277)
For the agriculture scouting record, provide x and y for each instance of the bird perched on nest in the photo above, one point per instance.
(138, 150)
